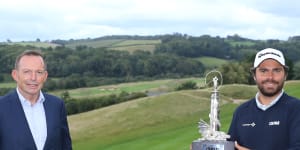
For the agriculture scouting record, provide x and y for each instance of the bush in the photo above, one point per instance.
(75, 106)
(187, 85)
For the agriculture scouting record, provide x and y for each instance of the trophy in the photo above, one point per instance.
(212, 138)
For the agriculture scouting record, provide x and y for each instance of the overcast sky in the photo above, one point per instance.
(25, 20)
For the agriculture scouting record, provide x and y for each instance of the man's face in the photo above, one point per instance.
(30, 75)
(270, 77)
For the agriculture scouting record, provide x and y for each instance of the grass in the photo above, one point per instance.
(167, 121)
(292, 88)
(137, 42)
(8, 85)
(95, 43)
(119, 44)
(114, 44)
(136, 120)
(238, 91)
(212, 62)
(36, 44)
(158, 85)
(134, 45)
(132, 48)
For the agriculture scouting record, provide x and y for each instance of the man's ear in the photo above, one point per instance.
(285, 77)
(14, 74)
(252, 71)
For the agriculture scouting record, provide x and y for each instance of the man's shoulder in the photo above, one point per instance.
(53, 98)
(248, 104)
(10, 95)
(290, 100)
(7, 100)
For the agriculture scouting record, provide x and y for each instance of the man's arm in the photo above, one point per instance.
(65, 133)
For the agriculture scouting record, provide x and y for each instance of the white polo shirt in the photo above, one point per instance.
(265, 107)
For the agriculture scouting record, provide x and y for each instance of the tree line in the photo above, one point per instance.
(175, 57)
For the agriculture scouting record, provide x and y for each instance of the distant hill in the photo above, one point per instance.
(35, 44)
(118, 44)
(212, 62)
(162, 122)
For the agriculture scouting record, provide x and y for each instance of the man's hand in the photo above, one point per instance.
(239, 147)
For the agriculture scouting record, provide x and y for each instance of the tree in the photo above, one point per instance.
(236, 72)
(187, 85)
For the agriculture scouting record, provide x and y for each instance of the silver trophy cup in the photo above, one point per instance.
(212, 138)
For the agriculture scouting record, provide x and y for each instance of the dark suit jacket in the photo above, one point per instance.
(14, 129)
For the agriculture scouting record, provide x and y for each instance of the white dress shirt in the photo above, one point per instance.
(36, 119)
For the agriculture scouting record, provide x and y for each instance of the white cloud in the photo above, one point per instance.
(47, 20)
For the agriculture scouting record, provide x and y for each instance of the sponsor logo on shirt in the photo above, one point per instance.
(274, 123)
(249, 124)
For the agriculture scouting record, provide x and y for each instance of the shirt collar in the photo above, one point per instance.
(265, 107)
(23, 100)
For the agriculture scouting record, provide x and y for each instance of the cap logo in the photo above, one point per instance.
(266, 53)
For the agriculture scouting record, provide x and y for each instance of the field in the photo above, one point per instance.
(149, 86)
(168, 121)
(212, 62)
(8, 85)
(120, 44)
(113, 44)
(95, 43)
(36, 44)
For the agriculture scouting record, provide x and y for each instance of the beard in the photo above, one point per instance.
(270, 92)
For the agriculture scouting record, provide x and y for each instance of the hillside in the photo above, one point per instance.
(35, 44)
(108, 128)
(129, 45)
(212, 62)
(157, 86)
(118, 44)
(163, 122)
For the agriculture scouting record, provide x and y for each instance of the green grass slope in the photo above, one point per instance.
(132, 125)
(212, 62)
(35, 44)
(165, 85)
(163, 122)
(94, 43)
(118, 44)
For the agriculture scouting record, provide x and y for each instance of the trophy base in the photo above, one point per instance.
(212, 145)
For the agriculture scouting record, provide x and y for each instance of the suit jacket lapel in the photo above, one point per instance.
(49, 120)
(21, 124)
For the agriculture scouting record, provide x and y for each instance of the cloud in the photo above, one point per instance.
(56, 19)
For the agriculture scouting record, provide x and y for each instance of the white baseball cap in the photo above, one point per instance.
(269, 53)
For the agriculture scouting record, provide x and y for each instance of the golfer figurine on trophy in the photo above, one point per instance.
(212, 138)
